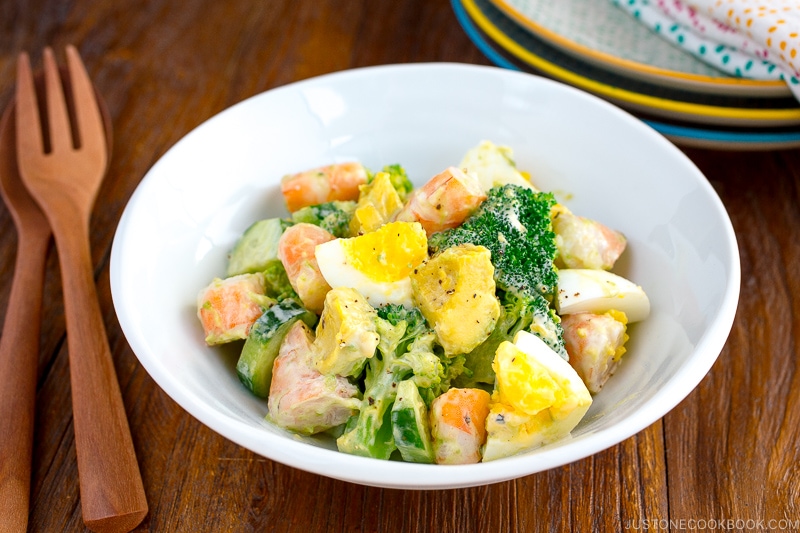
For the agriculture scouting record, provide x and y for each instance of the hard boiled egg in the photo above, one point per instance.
(597, 291)
(376, 264)
(493, 165)
(539, 398)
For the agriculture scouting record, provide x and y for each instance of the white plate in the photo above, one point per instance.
(192, 205)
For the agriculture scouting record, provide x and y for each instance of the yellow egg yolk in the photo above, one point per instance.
(523, 383)
(389, 253)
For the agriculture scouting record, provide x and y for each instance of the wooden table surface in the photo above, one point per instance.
(725, 458)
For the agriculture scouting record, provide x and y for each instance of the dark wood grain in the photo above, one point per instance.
(729, 451)
(736, 437)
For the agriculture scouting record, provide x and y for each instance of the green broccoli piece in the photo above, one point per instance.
(400, 180)
(334, 217)
(430, 384)
(396, 313)
(405, 351)
(514, 224)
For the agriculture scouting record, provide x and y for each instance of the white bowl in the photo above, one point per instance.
(601, 162)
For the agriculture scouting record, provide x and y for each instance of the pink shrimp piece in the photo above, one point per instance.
(339, 181)
(595, 344)
(585, 243)
(296, 252)
(444, 201)
(228, 308)
(458, 425)
(300, 398)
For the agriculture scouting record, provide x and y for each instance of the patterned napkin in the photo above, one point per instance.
(758, 39)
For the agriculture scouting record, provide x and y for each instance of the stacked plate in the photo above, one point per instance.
(598, 47)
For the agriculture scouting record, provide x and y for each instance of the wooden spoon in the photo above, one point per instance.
(19, 345)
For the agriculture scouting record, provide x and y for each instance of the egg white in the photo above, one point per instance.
(338, 271)
(598, 291)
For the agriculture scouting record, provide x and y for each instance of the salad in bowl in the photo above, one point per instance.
(466, 320)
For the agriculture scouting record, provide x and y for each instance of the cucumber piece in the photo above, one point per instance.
(410, 424)
(254, 367)
(257, 248)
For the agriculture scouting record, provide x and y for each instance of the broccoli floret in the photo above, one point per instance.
(414, 321)
(455, 367)
(419, 337)
(405, 351)
(399, 179)
(334, 217)
(514, 224)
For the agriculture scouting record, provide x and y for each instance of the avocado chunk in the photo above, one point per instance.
(378, 202)
(257, 248)
(254, 367)
(347, 333)
(455, 290)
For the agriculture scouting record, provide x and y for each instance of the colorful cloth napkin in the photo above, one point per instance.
(758, 39)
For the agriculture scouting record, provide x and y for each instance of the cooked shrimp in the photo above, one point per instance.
(300, 398)
(227, 308)
(339, 181)
(458, 425)
(595, 344)
(296, 252)
(444, 201)
(585, 243)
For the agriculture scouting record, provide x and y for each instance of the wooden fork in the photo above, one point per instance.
(64, 180)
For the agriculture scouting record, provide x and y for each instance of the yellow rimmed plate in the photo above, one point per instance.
(638, 96)
(599, 33)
